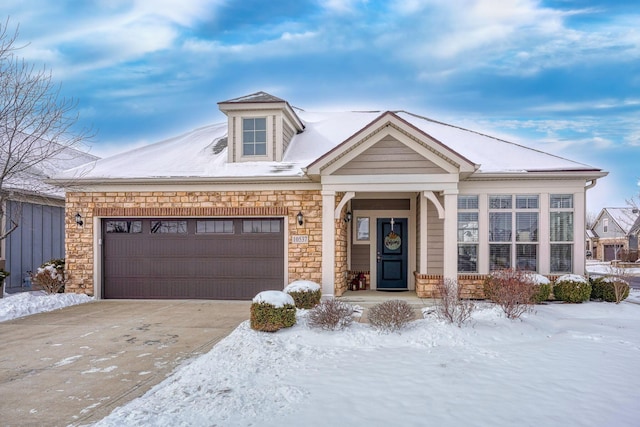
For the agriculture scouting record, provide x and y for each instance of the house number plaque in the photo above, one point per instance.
(304, 239)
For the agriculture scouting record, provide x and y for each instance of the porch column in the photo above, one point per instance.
(328, 242)
(450, 265)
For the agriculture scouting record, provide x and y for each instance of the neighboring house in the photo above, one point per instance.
(278, 194)
(616, 233)
(36, 210)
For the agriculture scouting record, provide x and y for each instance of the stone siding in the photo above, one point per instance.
(304, 260)
(472, 285)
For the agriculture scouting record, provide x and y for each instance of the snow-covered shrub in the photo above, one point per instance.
(542, 288)
(272, 310)
(331, 314)
(572, 288)
(610, 289)
(391, 315)
(50, 276)
(451, 307)
(305, 293)
(513, 290)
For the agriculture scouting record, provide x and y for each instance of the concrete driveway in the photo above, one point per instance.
(74, 366)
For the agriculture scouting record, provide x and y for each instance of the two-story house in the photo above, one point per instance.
(615, 234)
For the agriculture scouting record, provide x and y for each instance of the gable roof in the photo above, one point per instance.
(254, 97)
(625, 218)
(191, 156)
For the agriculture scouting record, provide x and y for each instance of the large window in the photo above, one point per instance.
(561, 232)
(513, 232)
(254, 136)
(468, 234)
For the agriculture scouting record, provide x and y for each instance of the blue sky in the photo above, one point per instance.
(562, 76)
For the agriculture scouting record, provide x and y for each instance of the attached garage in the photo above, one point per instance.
(194, 258)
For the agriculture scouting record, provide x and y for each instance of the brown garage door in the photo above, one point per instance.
(221, 258)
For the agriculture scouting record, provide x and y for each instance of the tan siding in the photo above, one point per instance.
(389, 156)
(287, 135)
(435, 240)
(360, 257)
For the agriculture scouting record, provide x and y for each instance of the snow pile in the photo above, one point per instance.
(277, 299)
(26, 303)
(539, 279)
(302, 286)
(572, 278)
(567, 365)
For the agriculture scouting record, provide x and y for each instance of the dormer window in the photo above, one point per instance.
(261, 126)
(254, 136)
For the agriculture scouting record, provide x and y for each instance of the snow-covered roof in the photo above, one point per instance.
(42, 160)
(193, 154)
(624, 217)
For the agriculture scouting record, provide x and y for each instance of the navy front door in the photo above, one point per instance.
(391, 254)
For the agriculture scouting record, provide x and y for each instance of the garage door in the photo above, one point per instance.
(221, 258)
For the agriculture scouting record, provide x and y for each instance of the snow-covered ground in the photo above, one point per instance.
(22, 304)
(564, 365)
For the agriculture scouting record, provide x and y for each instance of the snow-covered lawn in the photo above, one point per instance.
(22, 304)
(564, 365)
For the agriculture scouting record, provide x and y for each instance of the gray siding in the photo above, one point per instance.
(38, 238)
(613, 230)
(389, 156)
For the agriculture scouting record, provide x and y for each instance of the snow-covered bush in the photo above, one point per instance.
(542, 288)
(450, 307)
(391, 315)
(513, 290)
(610, 289)
(572, 288)
(305, 293)
(50, 276)
(272, 310)
(331, 314)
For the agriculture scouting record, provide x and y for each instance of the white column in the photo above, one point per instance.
(450, 267)
(579, 227)
(328, 242)
(423, 234)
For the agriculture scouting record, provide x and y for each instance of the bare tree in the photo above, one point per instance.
(36, 135)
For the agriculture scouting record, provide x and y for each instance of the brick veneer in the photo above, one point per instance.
(305, 260)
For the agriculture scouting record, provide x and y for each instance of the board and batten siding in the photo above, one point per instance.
(38, 238)
(389, 156)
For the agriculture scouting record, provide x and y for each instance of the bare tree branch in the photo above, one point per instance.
(37, 135)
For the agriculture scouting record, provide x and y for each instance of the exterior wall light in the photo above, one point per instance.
(348, 217)
(79, 221)
(300, 218)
